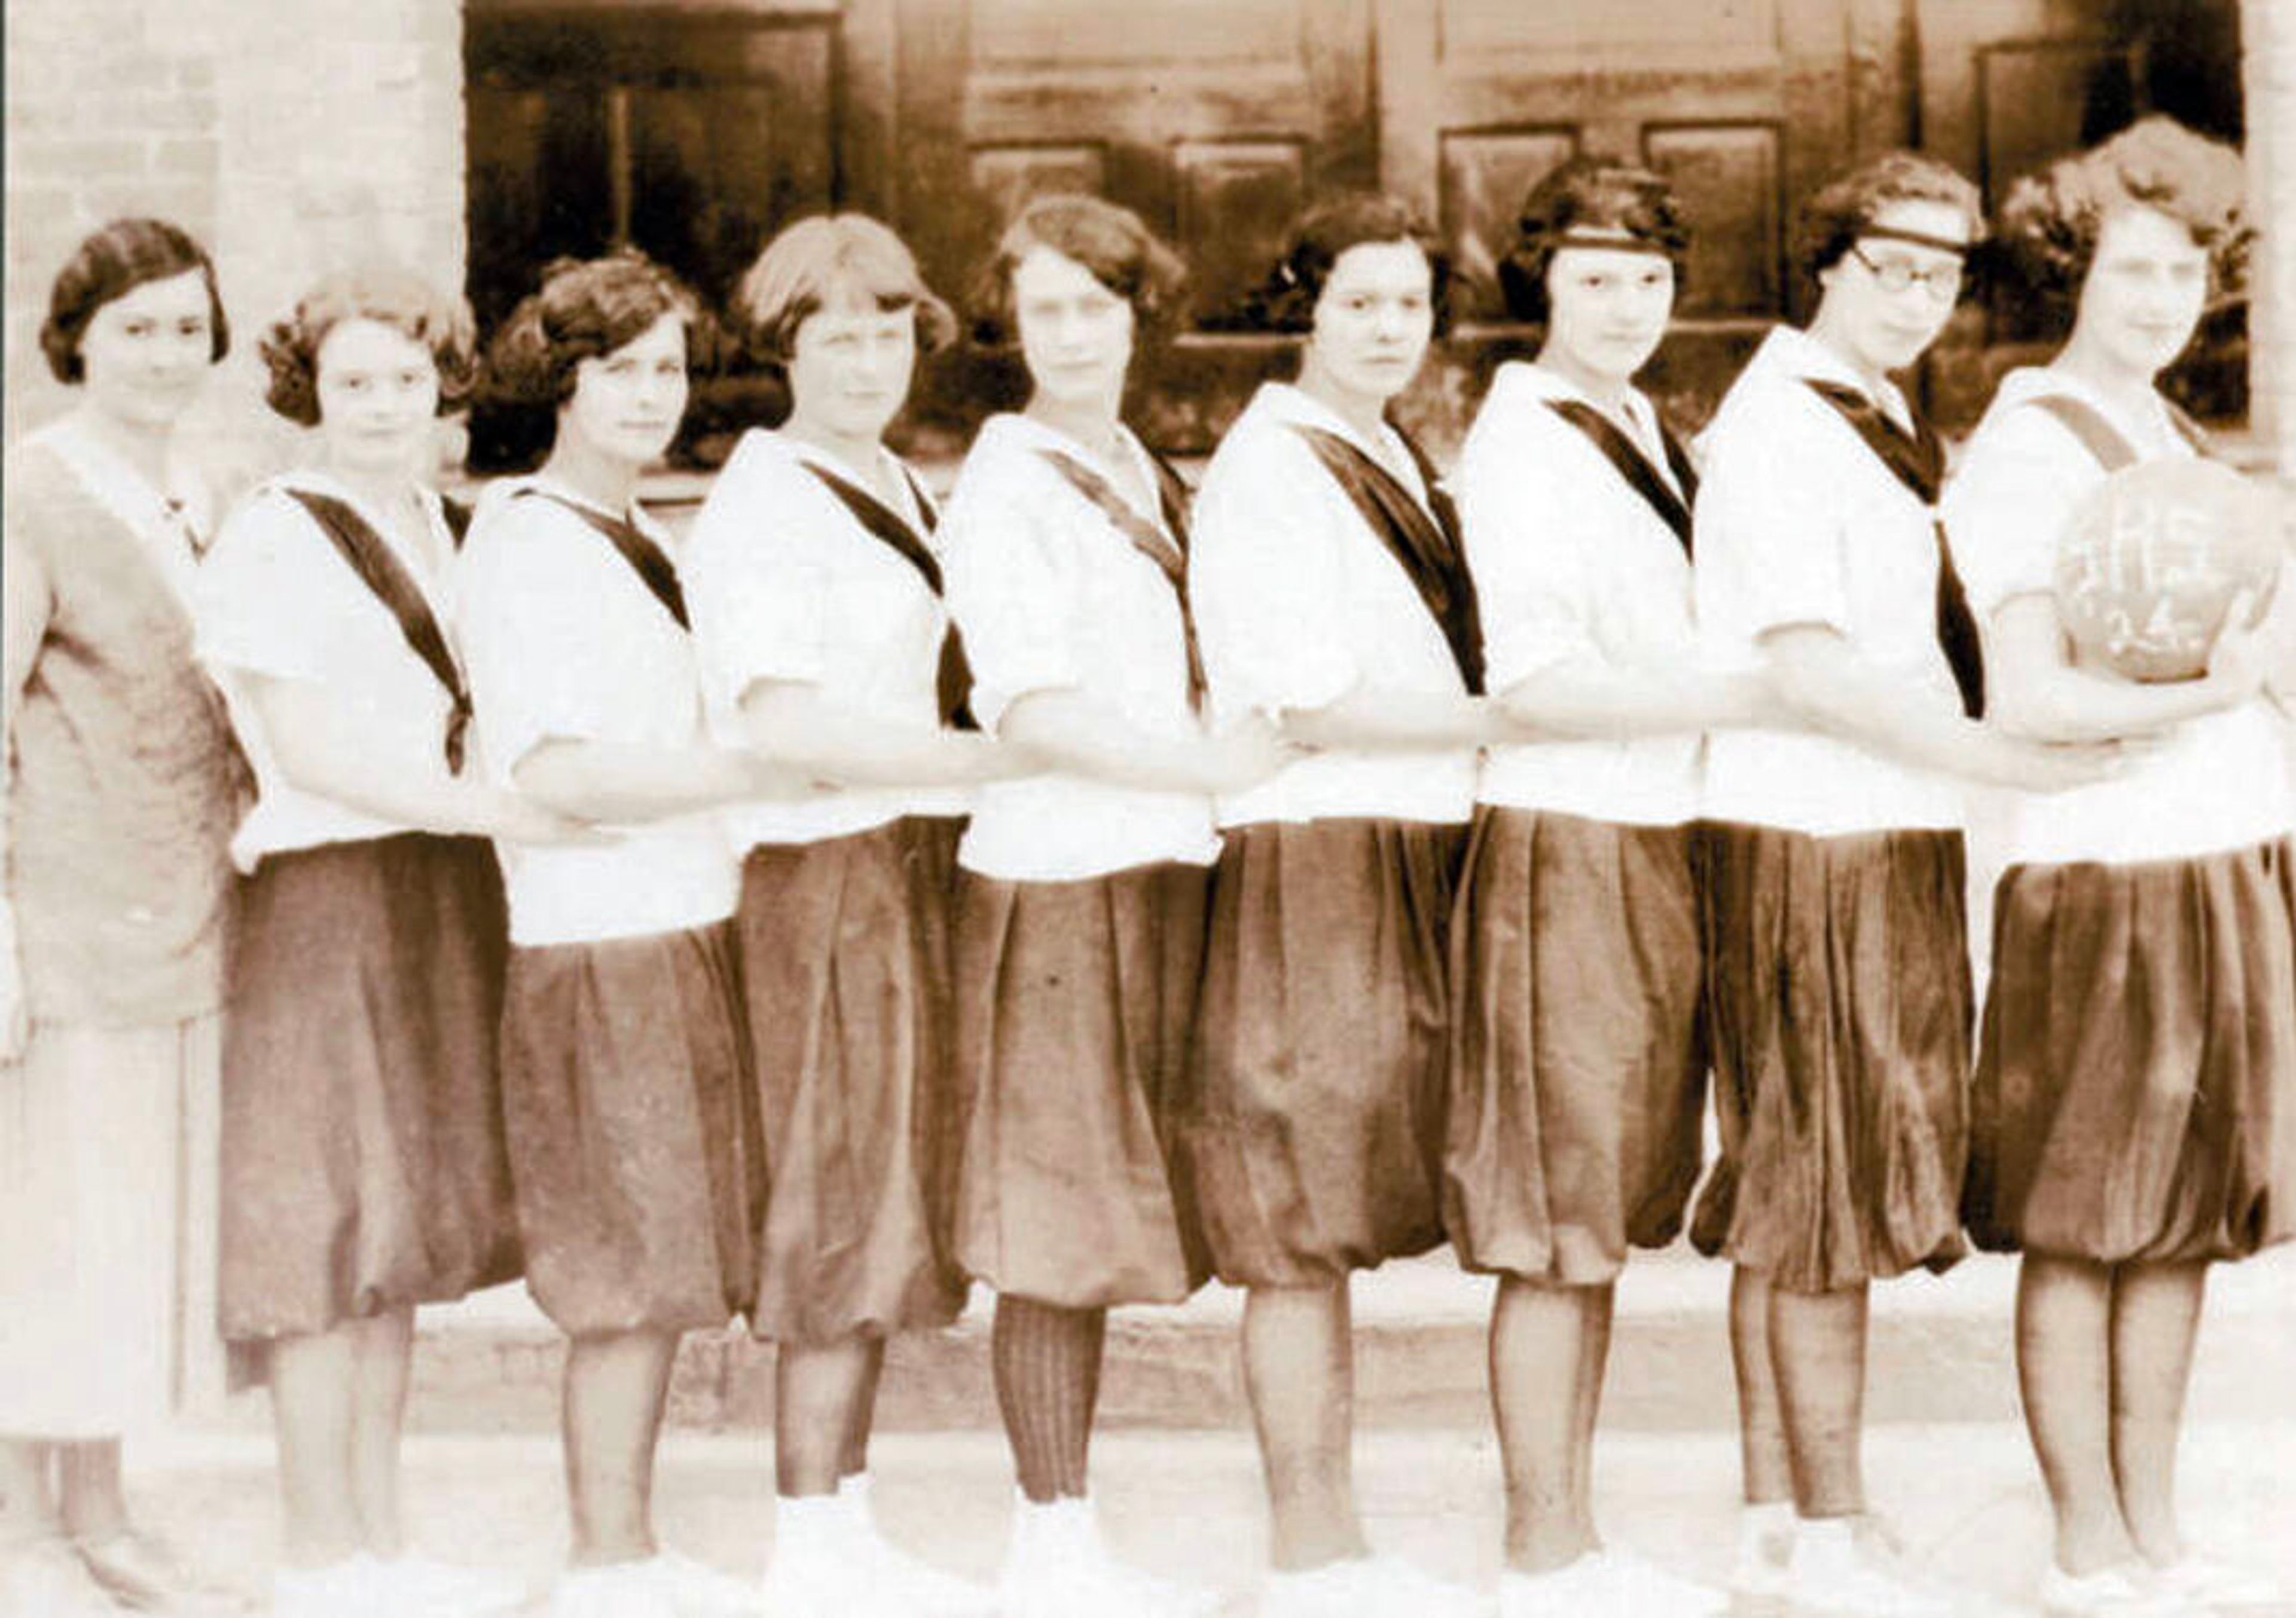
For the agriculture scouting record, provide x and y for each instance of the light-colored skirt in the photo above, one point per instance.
(1073, 1006)
(2135, 1094)
(633, 1129)
(92, 1224)
(1579, 1052)
(362, 1163)
(1838, 973)
(844, 965)
(1315, 1126)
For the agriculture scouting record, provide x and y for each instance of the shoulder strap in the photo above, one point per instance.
(370, 556)
(882, 523)
(1162, 548)
(648, 560)
(1424, 540)
(1634, 465)
(2106, 443)
(954, 681)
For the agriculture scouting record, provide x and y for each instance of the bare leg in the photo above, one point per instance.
(2156, 1316)
(1046, 1360)
(92, 1499)
(1299, 1369)
(382, 1347)
(818, 1389)
(2065, 1370)
(616, 1384)
(1594, 1361)
(855, 1463)
(27, 1507)
(312, 1408)
(1538, 1352)
(1767, 1467)
(1818, 1344)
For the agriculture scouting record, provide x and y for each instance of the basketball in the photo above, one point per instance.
(2153, 560)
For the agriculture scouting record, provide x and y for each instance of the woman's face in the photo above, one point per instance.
(1374, 320)
(627, 404)
(1076, 335)
(2144, 291)
(849, 367)
(145, 353)
(1606, 309)
(1887, 299)
(378, 395)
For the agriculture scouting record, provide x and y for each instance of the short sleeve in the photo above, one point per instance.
(530, 638)
(1520, 527)
(2007, 508)
(263, 592)
(757, 591)
(1014, 583)
(1266, 581)
(1773, 520)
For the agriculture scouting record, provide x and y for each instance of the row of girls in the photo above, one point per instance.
(1089, 889)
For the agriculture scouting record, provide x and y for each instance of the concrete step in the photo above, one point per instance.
(1941, 1351)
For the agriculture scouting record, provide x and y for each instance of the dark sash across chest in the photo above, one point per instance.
(1625, 457)
(1423, 539)
(1167, 550)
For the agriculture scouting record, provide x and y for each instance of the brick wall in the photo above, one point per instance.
(288, 134)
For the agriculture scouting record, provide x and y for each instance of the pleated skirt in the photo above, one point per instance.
(1578, 1050)
(845, 974)
(1074, 1006)
(1316, 1127)
(1841, 1001)
(2136, 1093)
(362, 1166)
(633, 1128)
(93, 1224)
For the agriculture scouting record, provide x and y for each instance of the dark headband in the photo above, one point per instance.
(1944, 244)
(1578, 236)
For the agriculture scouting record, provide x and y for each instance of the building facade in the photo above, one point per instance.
(481, 137)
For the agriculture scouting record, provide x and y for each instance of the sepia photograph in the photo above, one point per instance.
(1148, 808)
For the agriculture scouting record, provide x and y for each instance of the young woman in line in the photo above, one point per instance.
(814, 576)
(1081, 893)
(362, 1169)
(627, 1087)
(121, 790)
(1578, 1066)
(1334, 600)
(1836, 946)
(2135, 1112)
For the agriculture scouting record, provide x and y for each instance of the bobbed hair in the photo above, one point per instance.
(584, 308)
(1837, 213)
(111, 263)
(388, 294)
(1112, 242)
(1587, 193)
(817, 262)
(1326, 231)
(2051, 220)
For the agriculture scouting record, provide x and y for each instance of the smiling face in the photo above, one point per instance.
(1076, 335)
(1607, 308)
(849, 367)
(1887, 299)
(145, 353)
(378, 393)
(2144, 291)
(627, 404)
(1374, 318)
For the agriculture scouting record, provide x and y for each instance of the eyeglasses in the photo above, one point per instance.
(1942, 281)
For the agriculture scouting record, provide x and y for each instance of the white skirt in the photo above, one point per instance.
(93, 1191)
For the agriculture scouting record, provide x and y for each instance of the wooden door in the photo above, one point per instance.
(1744, 106)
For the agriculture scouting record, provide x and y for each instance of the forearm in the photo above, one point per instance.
(1367, 720)
(1071, 733)
(622, 782)
(1589, 698)
(802, 729)
(2069, 704)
